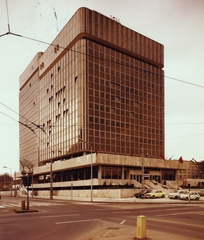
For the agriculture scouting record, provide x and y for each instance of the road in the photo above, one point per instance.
(90, 221)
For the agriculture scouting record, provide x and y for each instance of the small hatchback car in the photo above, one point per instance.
(155, 194)
(176, 194)
(191, 195)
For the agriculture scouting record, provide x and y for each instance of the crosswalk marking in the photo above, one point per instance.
(32, 204)
(14, 204)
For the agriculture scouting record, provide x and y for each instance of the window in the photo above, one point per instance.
(117, 99)
(57, 117)
(65, 112)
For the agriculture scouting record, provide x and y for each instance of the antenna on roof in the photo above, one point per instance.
(115, 19)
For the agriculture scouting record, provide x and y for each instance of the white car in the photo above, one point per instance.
(176, 194)
(191, 195)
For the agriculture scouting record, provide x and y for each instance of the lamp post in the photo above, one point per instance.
(11, 177)
(51, 162)
(91, 168)
(51, 181)
(142, 169)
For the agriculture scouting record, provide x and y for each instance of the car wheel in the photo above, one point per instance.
(163, 196)
(176, 197)
(153, 196)
(186, 198)
(197, 198)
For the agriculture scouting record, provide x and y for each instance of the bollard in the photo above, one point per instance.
(23, 205)
(141, 227)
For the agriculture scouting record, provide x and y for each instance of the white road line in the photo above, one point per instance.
(86, 220)
(70, 215)
(175, 214)
(123, 222)
(180, 223)
(107, 233)
(121, 212)
(169, 214)
(9, 205)
(13, 204)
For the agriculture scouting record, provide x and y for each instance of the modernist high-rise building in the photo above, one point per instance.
(93, 105)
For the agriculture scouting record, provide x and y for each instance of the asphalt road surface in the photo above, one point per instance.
(89, 221)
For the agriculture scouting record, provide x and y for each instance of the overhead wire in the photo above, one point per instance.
(65, 48)
(8, 116)
(31, 122)
(190, 83)
(46, 134)
(13, 111)
(186, 123)
(25, 125)
(104, 59)
(193, 135)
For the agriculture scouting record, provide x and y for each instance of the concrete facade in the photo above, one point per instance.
(92, 109)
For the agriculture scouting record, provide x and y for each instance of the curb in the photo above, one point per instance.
(25, 211)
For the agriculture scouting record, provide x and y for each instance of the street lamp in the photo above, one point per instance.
(142, 169)
(80, 140)
(11, 177)
(51, 181)
(51, 162)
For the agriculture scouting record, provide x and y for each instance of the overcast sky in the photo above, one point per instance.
(177, 24)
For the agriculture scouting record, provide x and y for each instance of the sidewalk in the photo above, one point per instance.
(165, 200)
(122, 200)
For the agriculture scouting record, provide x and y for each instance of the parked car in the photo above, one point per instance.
(141, 193)
(192, 195)
(201, 192)
(176, 194)
(155, 194)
